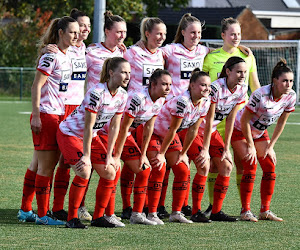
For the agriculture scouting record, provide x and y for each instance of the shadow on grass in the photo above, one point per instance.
(9, 216)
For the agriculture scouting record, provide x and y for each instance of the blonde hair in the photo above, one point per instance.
(148, 24)
(226, 22)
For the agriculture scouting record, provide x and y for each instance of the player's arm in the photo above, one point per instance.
(277, 132)
(246, 129)
(113, 132)
(39, 80)
(204, 154)
(147, 133)
(159, 160)
(253, 81)
(89, 121)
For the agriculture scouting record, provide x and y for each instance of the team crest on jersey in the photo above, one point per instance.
(118, 104)
(156, 108)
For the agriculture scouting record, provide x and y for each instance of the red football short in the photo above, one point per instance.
(72, 149)
(238, 135)
(46, 139)
(217, 145)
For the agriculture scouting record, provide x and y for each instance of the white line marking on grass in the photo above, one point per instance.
(293, 123)
(24, 113)
(17, 102)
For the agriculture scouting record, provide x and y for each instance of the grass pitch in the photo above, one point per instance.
(15, 155)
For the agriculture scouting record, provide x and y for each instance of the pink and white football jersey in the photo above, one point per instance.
(225, 101)
(180, 62)
(95, 57)
(142, 63)
(58, 69)
(97, 100)
(265, 109)
(140, 107)
(75, 93)
(182, 107)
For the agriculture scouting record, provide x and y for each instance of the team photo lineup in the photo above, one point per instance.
(133, 115)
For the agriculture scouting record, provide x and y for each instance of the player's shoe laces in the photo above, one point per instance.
(83, 214)
(29, 216)
(220, 216)
(154, 217)
(113, 219)
(60, 215)
(177, 216)
(47, 220)
(75, 223)
(126, 213)
(207, 212)
(138, 218)
(200, 217)
(269, 215)
(186, 210)
(248, 216)
(101, 222)
(162, 212)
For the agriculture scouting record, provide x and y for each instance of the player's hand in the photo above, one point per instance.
(36, 124)
(158, 161)
(117, 163)
(271, 153)
(84, 162)
(227, 155)
(109, 161)
(122, 47)
(251, 155)
(202, 158)
(245, 50)
(144, 163)
(50, 48)
(184, 159)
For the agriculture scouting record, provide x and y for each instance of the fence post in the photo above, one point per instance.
(21, 83)
(298, 74)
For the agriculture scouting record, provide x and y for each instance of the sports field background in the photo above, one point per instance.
(15, 155)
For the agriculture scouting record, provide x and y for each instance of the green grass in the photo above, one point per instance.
(15, 156)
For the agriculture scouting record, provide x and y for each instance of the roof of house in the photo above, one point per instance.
(211, 16)
(262, 5)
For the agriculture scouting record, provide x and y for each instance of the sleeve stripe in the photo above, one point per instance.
(42, 71)
(251, 111)
(92, 111)
(129, 115)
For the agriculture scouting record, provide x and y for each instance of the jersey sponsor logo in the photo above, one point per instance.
(268, 120)
(63, 86)
(78, 76)
(64, 81)
(45, 64)
(94, 97)
(147, 72)
(187, 66)
(47, 58)
(99, 125)
(79, 65)
(180, 106)
(135, 102)
(260, 126)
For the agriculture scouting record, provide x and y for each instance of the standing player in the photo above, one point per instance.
(81, 147)
(141, 109)
(185, 111)
(52, 78)
(250, 140)
(115, 33)
(228, 92)
(213, 63)
(144, 58)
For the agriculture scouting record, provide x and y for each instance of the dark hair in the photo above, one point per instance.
(230, 64)
(110, 64)
(196, 73)
(51, 35)
(281, 67)
(75, 13)
(157, 74)
(226, 22)
(184, 22)
(110, 20)
(148, 24)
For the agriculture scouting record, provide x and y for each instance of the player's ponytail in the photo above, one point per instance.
(230, 64)
(280, 67)
(184, 22)
(226, 22)
(110, 64)
(110, 20)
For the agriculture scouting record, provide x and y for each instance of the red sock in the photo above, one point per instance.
(127, 180)
(164, 188)
(186, 200)
(267, 183)
(198, 191)
(220, 190)
(28, 190)
(103, 194)
(181, 173)
(247, 184)
(140, 190)
(110, 209)
(42, 191)
(154, 187)
(76, 193)
(51, 183)
(61, 184)
(82, 204)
